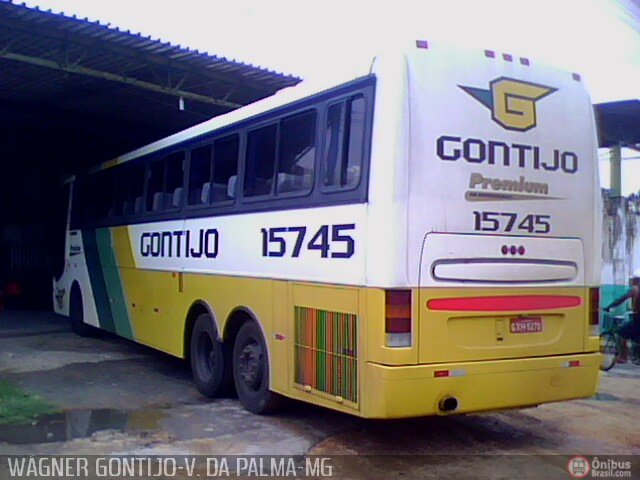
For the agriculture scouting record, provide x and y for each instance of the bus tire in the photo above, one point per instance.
(207, 358)
(76, 315)
(609, 351)
(251, 371)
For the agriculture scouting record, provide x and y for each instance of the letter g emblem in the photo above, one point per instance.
(514, 103)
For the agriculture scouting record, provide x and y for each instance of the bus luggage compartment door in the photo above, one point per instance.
(494, 297)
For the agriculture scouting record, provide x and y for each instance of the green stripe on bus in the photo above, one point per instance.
(113, 282)
(98, 284)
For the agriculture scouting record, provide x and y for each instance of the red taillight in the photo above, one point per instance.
(512, 303)
(398, 325)
(594, 306)
(398, 318)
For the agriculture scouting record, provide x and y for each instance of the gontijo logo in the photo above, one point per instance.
(512, 102)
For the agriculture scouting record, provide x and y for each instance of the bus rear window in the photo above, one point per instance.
(344, 144)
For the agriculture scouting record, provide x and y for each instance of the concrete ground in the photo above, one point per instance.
(119, 397)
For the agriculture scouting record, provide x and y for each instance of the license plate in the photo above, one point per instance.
(526, 325)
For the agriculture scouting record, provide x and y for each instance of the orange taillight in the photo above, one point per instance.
(398, 318)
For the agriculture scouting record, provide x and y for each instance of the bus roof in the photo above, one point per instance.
(283, 97)
(361, 67)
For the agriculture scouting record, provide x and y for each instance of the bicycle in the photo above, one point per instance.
(612, 343)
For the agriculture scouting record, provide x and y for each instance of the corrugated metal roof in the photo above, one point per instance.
(619, 123)
(135, 44)
(100, 91)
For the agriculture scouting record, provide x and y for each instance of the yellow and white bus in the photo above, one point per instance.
(423, 238)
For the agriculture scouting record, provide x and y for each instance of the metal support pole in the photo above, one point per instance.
(616, 171)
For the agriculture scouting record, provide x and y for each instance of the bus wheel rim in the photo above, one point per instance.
(250, 365)
(205, 352)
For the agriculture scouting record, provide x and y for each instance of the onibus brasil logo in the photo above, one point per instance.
(579, 467)
(512, 102)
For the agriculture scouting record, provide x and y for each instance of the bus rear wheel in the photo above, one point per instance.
(251, 371)
(207, 358)
(76, 315)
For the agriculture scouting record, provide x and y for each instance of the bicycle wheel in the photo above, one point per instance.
(635, 353)
(609, 350)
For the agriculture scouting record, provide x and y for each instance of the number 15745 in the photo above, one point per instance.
(332, 241)
(511, 222)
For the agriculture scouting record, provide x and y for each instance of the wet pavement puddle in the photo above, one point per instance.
(606, 397)
(74, 424)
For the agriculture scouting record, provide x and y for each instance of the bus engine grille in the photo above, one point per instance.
(325, 349)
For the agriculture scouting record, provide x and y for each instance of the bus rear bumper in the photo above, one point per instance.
(413, 391)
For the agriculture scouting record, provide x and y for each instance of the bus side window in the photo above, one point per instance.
(134, 203)
(122, 189)
(174, 180)
(260, 161)
(297, 156)
(225, 167)
(155, 183)
(344, 144)
(78, 204)
(102, 195)
(129, 186)
(200, 175)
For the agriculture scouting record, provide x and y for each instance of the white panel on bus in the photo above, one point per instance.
(500, 271)
(500, 259)
(319, 244)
